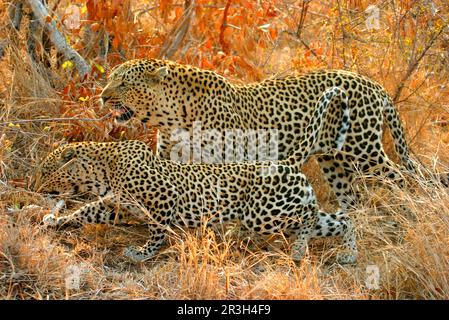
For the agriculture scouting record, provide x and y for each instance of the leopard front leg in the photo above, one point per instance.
(304, 230)
(162, 207)
(94, 212)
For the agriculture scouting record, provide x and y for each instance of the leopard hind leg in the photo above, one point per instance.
(338, 224)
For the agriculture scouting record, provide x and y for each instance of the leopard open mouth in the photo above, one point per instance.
(123, 113)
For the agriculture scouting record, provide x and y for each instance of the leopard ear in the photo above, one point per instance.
(67, 154)
(156, 76)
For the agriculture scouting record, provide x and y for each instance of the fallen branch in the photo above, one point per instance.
(41, 13)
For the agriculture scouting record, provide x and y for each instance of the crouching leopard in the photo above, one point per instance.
(170, 96)
(266, 197)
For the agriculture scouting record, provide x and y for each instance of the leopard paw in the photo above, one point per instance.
(136, 254)
(50, 220)
(346, 258)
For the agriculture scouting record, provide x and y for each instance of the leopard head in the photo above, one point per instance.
(138, 88)
(72, 170)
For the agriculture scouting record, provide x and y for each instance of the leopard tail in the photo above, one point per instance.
(397, 131)
(310, 146)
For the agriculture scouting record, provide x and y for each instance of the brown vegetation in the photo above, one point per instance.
(404, 232)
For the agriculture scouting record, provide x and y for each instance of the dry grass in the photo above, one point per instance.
(404, 232)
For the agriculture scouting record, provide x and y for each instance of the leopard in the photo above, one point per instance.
(171, 96)
(128, 179)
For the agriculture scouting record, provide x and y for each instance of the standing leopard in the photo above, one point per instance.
(266, 197)
(171, 96)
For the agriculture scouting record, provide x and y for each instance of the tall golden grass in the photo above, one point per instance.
(403, 232)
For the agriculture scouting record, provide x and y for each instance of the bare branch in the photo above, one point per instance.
(15, 14)
(41, 13)
(32, 34)
(305, 7)
(223, 43)
(179, 32)
(15, 18)
(414, 64)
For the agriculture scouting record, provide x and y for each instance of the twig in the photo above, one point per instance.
(13, 269)
(415, 90)
(54, 120)
(46, 42)
(312, 51)
(55, 6)
(297, 34)
(179, 32)
(140, 12)
(302, 18)
(343, 34)
(421, 126)
(15, 18)
(414, 64)
(305, 44)
(440, 122)
(223, 43)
